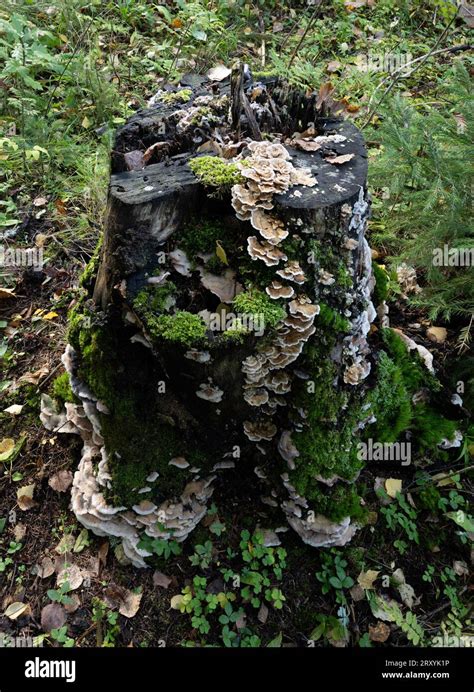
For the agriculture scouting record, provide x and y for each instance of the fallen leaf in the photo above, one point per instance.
(130, 605)
(74, 604)
(379, 632)
(81, 541)
(7, 293)
(14, 409)
(65, 545)
(338, 160)
(262, 614)
(50, 315)
(366, 579)
(53, 616)
(461, 569)
(46, 568)
(40, 201)
(357, 593)
(218, 73)
(61, 481)
(72, 575)
(25, 497)
(7, 445)
(220, 252)
(16, 609)
(19, 531)
(36, 376)
(103, 551)
(393, 486)
(407, 592)
(176, 601)
(437, 334)
(160, 579)
(333, 66)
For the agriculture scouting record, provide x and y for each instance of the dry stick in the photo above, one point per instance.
(397, 73)
(440, 477)
(305, 33)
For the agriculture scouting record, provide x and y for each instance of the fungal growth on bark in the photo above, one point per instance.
(226, 323)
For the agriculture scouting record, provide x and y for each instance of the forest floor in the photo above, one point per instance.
(404, 578)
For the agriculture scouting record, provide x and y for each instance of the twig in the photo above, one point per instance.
(305, 33)
(440, 477)
(419, 62)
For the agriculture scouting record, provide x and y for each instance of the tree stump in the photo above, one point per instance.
(225, 322)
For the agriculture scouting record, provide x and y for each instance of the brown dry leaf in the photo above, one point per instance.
(34, 377)
(25, 497)
(160, 579)
(19, 531)
(333, 66)
(53, 616)
(76, 602)
(366, 579)
(6, 293)
(151, 150)
(103, 552)
(40, 201)
(338, 160)
(379, 632)
(130, 605)
(393, 486)
(16, 609)
(357, 593)
(461, 569)
(41, 239)
(61, 481)
(46, 568)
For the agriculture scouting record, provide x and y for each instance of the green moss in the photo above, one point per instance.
(336, 503)
(390, 402)
(181, 96)
(414, 373)
(381, 283)
(201, 236)
(215, 172)
(90, 272)
(430, 427)
(343, 277)
(153, 300)
(330, 318)
(62, 388)
(256, 302)
(182, 328)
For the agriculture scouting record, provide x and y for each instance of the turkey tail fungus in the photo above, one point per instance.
(225, 321)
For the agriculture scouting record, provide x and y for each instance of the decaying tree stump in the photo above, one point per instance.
(225, 323)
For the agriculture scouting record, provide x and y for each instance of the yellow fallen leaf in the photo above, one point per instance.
(7, 445)
(86, 122)
(50, 315)
(220, 252)
(16, 609)
(366, 579)
(176, 601)
(393, 486)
